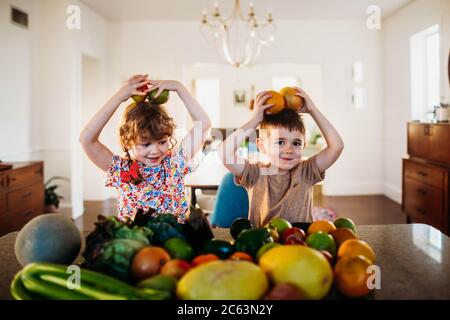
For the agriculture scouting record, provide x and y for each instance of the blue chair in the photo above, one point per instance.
(231, 203)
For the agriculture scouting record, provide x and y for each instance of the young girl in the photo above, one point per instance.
(151, 173)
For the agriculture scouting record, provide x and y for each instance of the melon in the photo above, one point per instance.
(223, 280)
(48, 238)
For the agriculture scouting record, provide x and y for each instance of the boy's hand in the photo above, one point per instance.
(308, 104)
(130, 87)
(260, 106)
(171, 85)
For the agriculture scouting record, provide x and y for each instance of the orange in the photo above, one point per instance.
(342, 234)
(204, 258)
(241, 256)
(354, 247)
(278, 102)
(321, 225)
(293, 101)
(350, 276)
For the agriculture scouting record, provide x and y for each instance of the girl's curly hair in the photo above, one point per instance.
(145, 121)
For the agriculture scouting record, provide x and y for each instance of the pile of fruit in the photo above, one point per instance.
(158, 258)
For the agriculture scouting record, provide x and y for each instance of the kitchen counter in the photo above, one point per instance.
(414, 260)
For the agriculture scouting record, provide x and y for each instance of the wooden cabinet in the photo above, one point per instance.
(21, 195)
(426, 175)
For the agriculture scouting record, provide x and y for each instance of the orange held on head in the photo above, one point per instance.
(278, 102)
(293, 101)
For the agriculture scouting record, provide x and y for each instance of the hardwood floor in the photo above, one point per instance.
(374, 209)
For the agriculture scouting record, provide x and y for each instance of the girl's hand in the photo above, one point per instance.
(171, 85)
(130, 87)
(308, 104)
(260, 106)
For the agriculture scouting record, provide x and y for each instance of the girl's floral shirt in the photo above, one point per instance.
(161, 188)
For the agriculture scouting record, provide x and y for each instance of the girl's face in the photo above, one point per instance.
(151, 153)
(284, 148)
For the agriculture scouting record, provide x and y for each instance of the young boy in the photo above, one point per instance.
(283, 187)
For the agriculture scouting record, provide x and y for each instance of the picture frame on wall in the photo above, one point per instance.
(240, 98)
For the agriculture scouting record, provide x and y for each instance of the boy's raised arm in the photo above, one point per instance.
(227, 150)
(335, 145)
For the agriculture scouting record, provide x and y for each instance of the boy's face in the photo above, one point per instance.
(284, 148)
(151, 153)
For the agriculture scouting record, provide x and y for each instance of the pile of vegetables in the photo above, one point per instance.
(111, 246)
(105, 272)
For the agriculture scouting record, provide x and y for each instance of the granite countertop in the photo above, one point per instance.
(414, 260)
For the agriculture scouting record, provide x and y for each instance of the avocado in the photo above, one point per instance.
(238, 226)
(221, 248)
(251, 240)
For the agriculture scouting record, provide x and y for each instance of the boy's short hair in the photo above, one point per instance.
(288, 119)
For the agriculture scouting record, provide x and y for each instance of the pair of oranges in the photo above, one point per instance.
(286, 98)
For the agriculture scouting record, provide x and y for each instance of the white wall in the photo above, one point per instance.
(41, 88)
(18, 94)
(396, 33)
(163, 48)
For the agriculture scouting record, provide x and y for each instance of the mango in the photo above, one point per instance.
(223, 280)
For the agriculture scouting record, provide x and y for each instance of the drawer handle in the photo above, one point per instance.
(421, 173)
(27, 194)
(422, 192)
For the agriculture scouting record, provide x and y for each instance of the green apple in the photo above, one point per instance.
(161, 99)
(279, 224)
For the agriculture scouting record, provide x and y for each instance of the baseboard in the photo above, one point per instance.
(393, 193)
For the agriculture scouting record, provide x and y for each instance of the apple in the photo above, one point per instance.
(176, 268)
(137, 98)
(294, 239)
(279, 224)
(293, 231)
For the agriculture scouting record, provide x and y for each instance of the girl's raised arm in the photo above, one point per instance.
(97, 152)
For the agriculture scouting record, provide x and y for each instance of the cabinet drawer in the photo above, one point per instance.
(423, 195)
(24, 177)
(420, 212)
(26, 199)
(10, 222)
(424, 173)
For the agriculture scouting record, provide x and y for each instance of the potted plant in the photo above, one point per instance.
(52, 199)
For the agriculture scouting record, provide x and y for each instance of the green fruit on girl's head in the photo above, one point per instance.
(161, 99)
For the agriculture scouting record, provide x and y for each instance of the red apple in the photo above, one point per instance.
(294, 239)
(293, 231)
(176, 268)
(137, 98)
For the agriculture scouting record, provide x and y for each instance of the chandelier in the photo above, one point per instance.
(238, 39)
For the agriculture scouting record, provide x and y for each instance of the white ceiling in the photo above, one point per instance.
(282, 9)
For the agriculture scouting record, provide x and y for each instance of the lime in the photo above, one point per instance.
(345, 223)
(322, 241)
(179, 249)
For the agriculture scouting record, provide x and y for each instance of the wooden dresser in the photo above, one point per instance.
(21, 195)
(426, 175)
